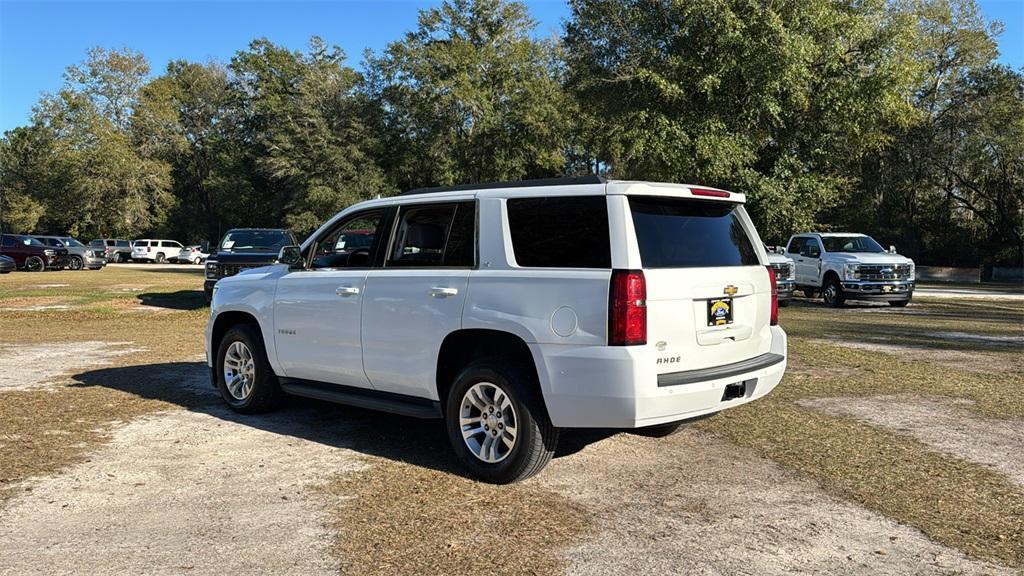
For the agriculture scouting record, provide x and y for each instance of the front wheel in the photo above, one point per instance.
(76, 263)
(244, 377)
(496, 422)
(833, 293)
(34, 264)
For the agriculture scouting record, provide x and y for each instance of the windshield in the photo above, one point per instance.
(255, 240)
(851, 244)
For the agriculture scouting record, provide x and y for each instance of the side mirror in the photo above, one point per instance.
(892, 249)
(290, 255)
(204, 246)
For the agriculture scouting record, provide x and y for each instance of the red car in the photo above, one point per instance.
(31, 254)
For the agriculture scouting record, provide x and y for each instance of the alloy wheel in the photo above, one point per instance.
(34, 264)
(239, 370)
(488, 421)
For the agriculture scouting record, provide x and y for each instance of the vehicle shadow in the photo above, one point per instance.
(180, 300)
(411, 440)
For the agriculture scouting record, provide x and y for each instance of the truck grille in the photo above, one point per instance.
(225, 270)
(884, 272)
(783, 271)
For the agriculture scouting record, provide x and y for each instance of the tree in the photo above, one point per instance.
(469, 96)
(304, 121)
(21, 164)
(771, 99)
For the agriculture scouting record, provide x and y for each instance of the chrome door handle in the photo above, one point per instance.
(442, 292)
(347, 291)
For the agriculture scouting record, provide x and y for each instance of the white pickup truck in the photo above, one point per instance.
(511, 310)
(843, 266)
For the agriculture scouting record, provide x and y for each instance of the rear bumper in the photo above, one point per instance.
(618, 387)
(895, 290)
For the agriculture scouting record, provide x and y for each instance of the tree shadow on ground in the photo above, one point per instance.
(415, 441)
(180, 300)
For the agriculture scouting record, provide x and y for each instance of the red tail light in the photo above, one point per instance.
(711, 193)
(775, 296)
(627, 308)
(147, 249)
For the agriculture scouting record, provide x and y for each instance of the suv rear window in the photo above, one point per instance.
(560, 232)
(683, 233)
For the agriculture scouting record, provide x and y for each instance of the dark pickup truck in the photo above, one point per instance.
(243, 248)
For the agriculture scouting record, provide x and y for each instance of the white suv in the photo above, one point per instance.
(512, 310)
(156, 250)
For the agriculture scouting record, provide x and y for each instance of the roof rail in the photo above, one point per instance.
(571, 181)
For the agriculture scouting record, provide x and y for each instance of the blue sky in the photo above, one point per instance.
(39, 39)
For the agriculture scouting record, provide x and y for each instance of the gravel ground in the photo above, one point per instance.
(942, 424)
(696, 504)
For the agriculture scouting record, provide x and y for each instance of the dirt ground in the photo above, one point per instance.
(898, 454)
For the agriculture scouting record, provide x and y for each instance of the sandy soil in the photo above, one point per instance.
(941, 423)
(24, 367)
(971, 361)
(695, 504)
(181, 492)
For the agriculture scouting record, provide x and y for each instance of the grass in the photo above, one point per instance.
(957, 503)
(399, 515)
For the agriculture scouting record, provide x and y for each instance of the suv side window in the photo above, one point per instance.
(435, 235)
(121, 243)
(560, 231)
(350, 244)
(8, 241)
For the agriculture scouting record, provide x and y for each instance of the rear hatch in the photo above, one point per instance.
(708, 295)
(140, 248)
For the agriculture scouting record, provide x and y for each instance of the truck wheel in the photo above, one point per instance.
(810, 292)
(899, 303)
(34, 264)
(244, 376)
(76, 263)
(833, 293)
(496, 422)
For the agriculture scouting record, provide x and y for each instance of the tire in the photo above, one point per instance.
(197, 260)
(783, 303)
(76, 263)
(34, 264)
(660, 430)
(258, 391)
(833, 293)
(810, 292)
(116, 257)
(499, 386)
(160, 258)
(899, 303)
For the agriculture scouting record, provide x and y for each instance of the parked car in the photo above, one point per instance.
(32, 255)
(511, 311)
(844, 266)
(80, 256)
(193, 254)
(115, 249)
(160, 251)
(785, 271)
(7, 264)
(244, 248)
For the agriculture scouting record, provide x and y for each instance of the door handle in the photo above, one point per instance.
(347, 291)
(442, 292)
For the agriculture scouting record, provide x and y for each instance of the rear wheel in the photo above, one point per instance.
(244, 377)
(810, 292)
(833, 293)
(160, 258)
(76, 263)
(197, 260)
(496, 422)
(115, 257)
(34, 264)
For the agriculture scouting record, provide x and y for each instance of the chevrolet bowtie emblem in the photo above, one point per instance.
(730, 290)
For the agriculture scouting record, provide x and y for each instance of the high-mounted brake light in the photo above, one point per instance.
(775, 296)
(711, 193)
(627, 308)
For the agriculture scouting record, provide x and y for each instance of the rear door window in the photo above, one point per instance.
(684, 233)
(560, 231)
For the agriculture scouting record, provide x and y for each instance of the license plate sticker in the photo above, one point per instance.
(720, 311)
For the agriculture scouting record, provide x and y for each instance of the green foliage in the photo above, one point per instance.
(469, 96)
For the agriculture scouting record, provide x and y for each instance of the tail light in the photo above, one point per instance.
(627, 308)
(775, 296)
(148, 249)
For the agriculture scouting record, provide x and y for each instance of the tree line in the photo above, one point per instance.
(889, 117)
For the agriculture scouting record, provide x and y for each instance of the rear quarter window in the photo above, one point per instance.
(684, 233)
(560, 232)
